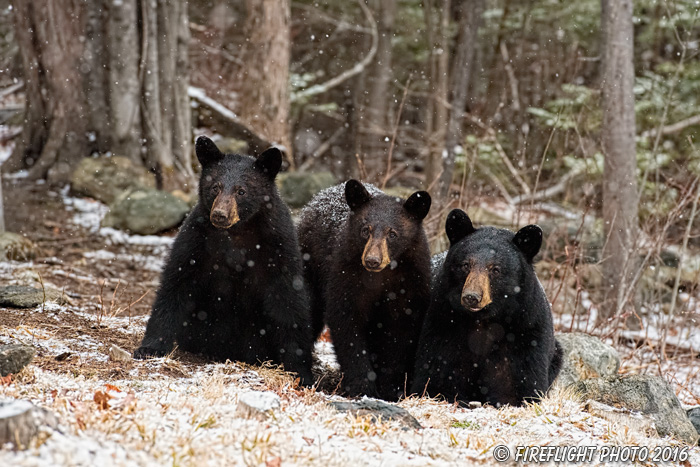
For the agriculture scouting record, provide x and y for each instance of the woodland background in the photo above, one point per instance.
(581, 115)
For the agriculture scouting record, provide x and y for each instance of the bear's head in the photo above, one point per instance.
(232, 187)
(383, 226)
(488, 268)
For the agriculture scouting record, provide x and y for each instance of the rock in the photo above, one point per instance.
(648, 394)
(16, 248)
(694, 417)
(257, 404)
(232, 145)
(105, 178)
(297, 188)
(378, 409)
(621, 417)
(145, 212)
(585, 357)
(14, 357)
(117, 354)
(189, 198)
(24, 296)
(21, 421)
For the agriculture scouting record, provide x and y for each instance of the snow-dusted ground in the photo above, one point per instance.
(166, 412)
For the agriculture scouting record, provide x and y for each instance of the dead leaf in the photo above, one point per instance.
(274, 462)
(309, 441)
(102, 399)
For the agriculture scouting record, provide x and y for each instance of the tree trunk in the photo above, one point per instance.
(53, 138)
(462, 65)
(619, 178)
(104, 76)
(376, 127)
(436, 119)
(264, 79)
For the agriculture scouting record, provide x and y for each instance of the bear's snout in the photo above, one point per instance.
(224, 212)
(471, 300)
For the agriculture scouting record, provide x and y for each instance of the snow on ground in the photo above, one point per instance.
(171, 412)
(150, 417)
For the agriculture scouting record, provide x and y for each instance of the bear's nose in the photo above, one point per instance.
(373, 262)
(219, 218)
(471, 300)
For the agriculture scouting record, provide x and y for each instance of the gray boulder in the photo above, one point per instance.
(297, 188)
(378, 409)
(694, 416)
(146, 212)
(257, 404)
(24, 296)
(14, 357)
(585, 357)
(16, 248)
(105, 178)
(21, 422)
(648, 394)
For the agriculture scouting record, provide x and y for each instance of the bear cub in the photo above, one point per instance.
(233, 286)
(367, 263)
(488, 334)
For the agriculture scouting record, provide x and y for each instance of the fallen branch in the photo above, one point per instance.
(355, 70)
(552, 190)
(674, 128)
(225, 121)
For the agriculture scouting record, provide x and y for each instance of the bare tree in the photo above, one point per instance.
(469, 12)
(620, 213)
(375, 118)
(438, 77)
(104, 76)
(265, 59)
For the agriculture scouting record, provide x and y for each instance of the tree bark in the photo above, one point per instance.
(462, 66)
(104, 76)
(52, 140)
(620, 213)
(436, 118)
(376, 127)
(264, 79)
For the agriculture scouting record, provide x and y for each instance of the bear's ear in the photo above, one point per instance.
(206, 150)
(458, 226)
(529, 240)
(418, 204)
(356, 194)
(269, 162)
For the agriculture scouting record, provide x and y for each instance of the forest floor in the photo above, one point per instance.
(182, 410)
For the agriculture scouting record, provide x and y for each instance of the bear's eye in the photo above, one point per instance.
(393, 234)
(216, 189)
(241, 192)
(465, 267)
(495, 270)
(365, 231)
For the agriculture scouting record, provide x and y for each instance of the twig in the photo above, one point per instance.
(355, 70)
(674, 127)
(396, 130)
(322, 148)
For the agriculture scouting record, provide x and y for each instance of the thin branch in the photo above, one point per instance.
(355, 70)
(396, 130)
(674, 127)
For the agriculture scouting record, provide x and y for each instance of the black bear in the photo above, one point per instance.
(233, 285)
(367, 263)
(488, 334)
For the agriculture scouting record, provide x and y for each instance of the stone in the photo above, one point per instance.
(694, 417)
(621, 417)
(21, 422)
(105, 178)
(585, 357)
(257, 404)
(232, 146)
(377, 409)
(24, 296)
(15, 247)
(297, 188)
(145, 212)
(117, 354)
(648, 394)
(14, 357)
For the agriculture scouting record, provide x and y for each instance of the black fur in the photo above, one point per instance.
(504, 353)
(374, 317)
(235, 293)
